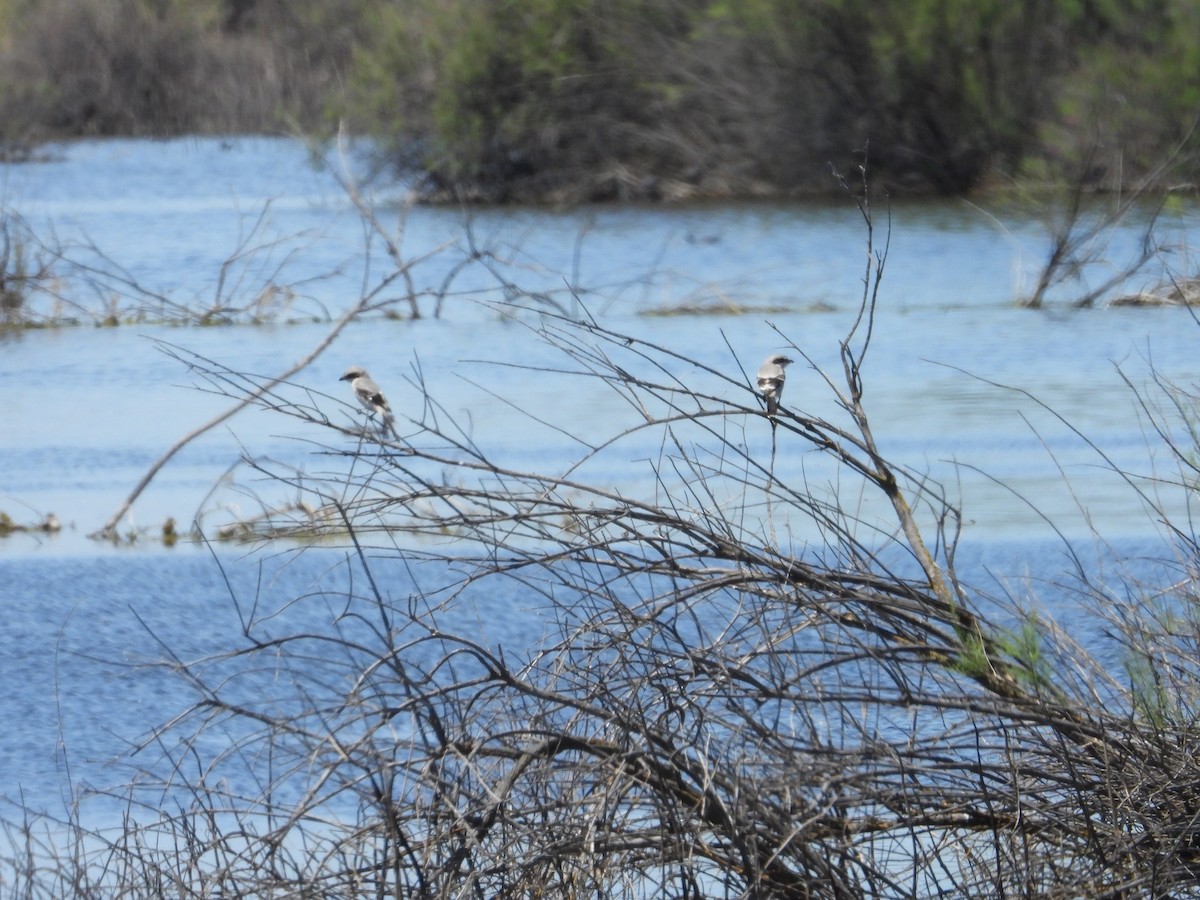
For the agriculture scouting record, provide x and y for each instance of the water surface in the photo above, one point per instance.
(84, 411)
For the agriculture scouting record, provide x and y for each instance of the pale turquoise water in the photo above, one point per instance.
(84, 411)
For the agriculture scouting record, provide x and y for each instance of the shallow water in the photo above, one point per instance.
(85, 411)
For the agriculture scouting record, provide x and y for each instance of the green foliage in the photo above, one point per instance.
(1132, 100)
(972, 659)
(1153, 702)
(551, 91)
(585, 99)
(1026, 647)
(944, 91)
(1017, 656)
(495, 84)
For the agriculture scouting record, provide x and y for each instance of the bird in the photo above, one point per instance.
(771, 376)
(371, 397)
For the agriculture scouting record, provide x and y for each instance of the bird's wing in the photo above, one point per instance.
(369, 393)
(770, 382)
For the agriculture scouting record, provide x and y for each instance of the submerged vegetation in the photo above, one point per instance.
(573, 100)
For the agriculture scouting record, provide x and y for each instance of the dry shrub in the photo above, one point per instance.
(114, 67)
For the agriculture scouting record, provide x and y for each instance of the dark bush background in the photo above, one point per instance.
(517, 100)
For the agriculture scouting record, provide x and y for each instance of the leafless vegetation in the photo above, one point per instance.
(49, 282)
(25, 270)
(1081, 237)
(1081, 227)
(756, 679)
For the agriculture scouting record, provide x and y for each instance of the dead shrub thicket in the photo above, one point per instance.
(754, 683)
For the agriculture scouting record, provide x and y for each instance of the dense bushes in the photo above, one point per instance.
(165, 67)
(582, 99)
(676, 97)
(92, 68)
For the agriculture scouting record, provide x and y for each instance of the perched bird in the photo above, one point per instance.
(371, 397)
(770, 380)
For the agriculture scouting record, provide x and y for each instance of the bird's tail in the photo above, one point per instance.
(388, 426)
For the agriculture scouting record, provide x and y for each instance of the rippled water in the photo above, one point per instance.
(84, 411)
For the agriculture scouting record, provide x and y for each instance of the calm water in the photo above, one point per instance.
(84, 411)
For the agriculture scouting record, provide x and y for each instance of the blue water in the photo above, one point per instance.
(96, 646)
(102, 652)
(988, 399)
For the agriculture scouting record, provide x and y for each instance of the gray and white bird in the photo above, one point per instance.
(771, 376)
(371, 397)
